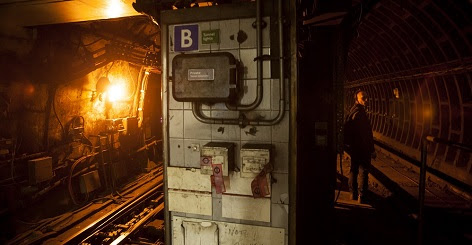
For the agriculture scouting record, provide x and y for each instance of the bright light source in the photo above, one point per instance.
(116, 92)
(114, 8)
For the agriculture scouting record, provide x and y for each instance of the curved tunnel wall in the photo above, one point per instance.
(423, 49)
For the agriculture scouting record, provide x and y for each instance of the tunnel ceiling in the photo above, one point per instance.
(423, 50)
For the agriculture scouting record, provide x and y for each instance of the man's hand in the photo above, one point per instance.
(374, 155)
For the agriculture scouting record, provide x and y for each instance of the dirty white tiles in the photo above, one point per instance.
(173, 104)
(249, 65)
(192, 149)
(194, 129)
(276, 94)
(188, 179)
(228, 34)
(176, 123)
(171, 38)
(197, 233)
(280, 216)
(171, 58)
(266, 33)
(280, 131)
(231, 233)
(280, 188)
(247, 33)
(280, 154)
(204, 26)
(188, 106)
(250, 93)
(235, 184)
(218, 106)
(176, 152)
(190, 202)
(224, 131)
(246, 208)
(257, 133)
(246, 26)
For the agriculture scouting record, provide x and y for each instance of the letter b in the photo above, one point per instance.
(186, 41)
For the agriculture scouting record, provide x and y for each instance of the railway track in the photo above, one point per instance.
(133, 216)
(122, 226)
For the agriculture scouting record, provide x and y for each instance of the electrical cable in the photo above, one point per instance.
(55, 113)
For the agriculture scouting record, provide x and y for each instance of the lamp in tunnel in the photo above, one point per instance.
(396, 93)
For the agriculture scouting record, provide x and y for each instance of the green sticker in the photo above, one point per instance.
(211, 36)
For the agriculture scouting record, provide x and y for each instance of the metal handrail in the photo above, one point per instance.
(422, 185)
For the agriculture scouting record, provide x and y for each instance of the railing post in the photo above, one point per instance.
(421, 191)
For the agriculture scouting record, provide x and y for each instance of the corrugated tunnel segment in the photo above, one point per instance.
(423, 49)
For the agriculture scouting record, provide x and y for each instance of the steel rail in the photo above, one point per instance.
(112, 216)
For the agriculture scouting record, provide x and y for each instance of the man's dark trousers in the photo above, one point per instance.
(362, 165)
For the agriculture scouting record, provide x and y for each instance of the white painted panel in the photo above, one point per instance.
(176, 123)
(193, 129)
(242, 186)
(187, 179)
(247, 208)
(280, 132)
(190, 202)
(176, 152)
(200, 233)
(233, 234)
(228, 33)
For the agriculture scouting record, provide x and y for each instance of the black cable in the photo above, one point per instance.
(55, 113)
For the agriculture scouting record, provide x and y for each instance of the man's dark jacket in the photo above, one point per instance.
(358, 138)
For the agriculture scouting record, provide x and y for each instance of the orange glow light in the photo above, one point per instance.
(114, 8)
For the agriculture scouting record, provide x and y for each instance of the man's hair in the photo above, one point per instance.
(356, 93)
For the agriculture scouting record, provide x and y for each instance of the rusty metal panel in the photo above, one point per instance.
(190, 202)
(247, 208)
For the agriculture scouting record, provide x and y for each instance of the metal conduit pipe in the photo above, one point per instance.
(259, 90)
(242, 121)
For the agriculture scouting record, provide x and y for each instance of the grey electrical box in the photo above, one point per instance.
(253, 159)
(89, 182)
(217, 153)
(40, 170)
(208, 77)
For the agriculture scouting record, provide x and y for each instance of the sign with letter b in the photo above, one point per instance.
(186, 37)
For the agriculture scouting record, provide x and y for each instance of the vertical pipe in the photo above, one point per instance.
(165, 135)
(421, 191)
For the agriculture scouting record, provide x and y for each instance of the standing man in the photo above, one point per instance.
(359, 144)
